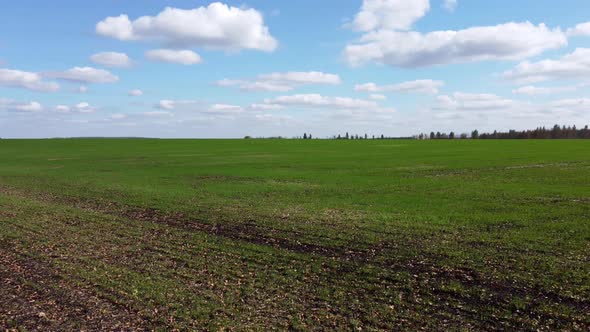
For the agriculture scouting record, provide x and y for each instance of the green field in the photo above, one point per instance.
(291, 234)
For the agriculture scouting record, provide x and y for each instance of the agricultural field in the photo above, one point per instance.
(366, 235)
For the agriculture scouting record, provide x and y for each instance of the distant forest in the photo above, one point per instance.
(557, 132)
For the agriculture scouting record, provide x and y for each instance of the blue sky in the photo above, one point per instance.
(262, 68)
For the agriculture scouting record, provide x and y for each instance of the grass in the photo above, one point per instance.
(287, 234)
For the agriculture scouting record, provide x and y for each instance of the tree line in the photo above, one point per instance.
(557, 132)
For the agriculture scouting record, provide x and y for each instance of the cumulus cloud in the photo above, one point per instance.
(265, 107)
(582, 29)
(450, 5)
(84, 107)
(135, 93)
(319, 101)
(85, 75)
(217, 26)
(26, 80)
(183, 57)
(111, 59)
(418, 86)
(510, 41)
(574, 65)
(282, 82)
(82, 89)
(11, 105)
(390, 14)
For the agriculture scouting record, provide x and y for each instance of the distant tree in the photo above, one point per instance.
(247, 137)
(475, 134)
(304, 136)
(309, 137)
(452, 135)
(438, 135)
(382, 137)
(347, 135)
(432, 135)
(356, 136)
(339, 136)
(463, 136)
(373, 136)
(366, 137)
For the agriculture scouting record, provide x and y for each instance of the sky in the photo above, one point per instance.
(206, 69)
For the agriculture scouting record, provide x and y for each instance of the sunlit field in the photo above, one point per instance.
(295, 234)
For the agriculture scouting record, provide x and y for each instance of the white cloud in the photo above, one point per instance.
(158, 113)
(575, 65)
(376, 96)
(169, 105)
(450, 5)
(118, 116)
(135, 93)
(26, 80)
(85, 75)
(461, 101)
(390, 14)
(29, 107)
(531, 90)
(216, 26)
(166, 104)
(577, 105)
(582, 29)
(84, 107)
(319, 101)
(282, 82)
(111, 59)
(183, 57)
(510, 41)
(82, 89)
(418, 86)
(266, 107)
(224, 108)
(11, 105)
(62, 109)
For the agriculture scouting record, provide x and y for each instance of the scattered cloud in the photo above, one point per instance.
(265, 107)
(85, 75)
(118, 116)
(111, 59)
(531, 90)
(574, 65)
(461, 101)
(158, 113)
(390, 14)
(183, 57)
(225, 108)
(11, 105)
(418, 86)
(62, 109)
(135, 93)
(26, 80)
(319, 101)
(84, 107)
(450, 5)
(282, 82)
(82, 89)
(376, 96)
(216, 26)
(169, 105)
(510, 41)
(582, 29)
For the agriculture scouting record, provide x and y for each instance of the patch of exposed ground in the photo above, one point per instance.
(34, 298)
